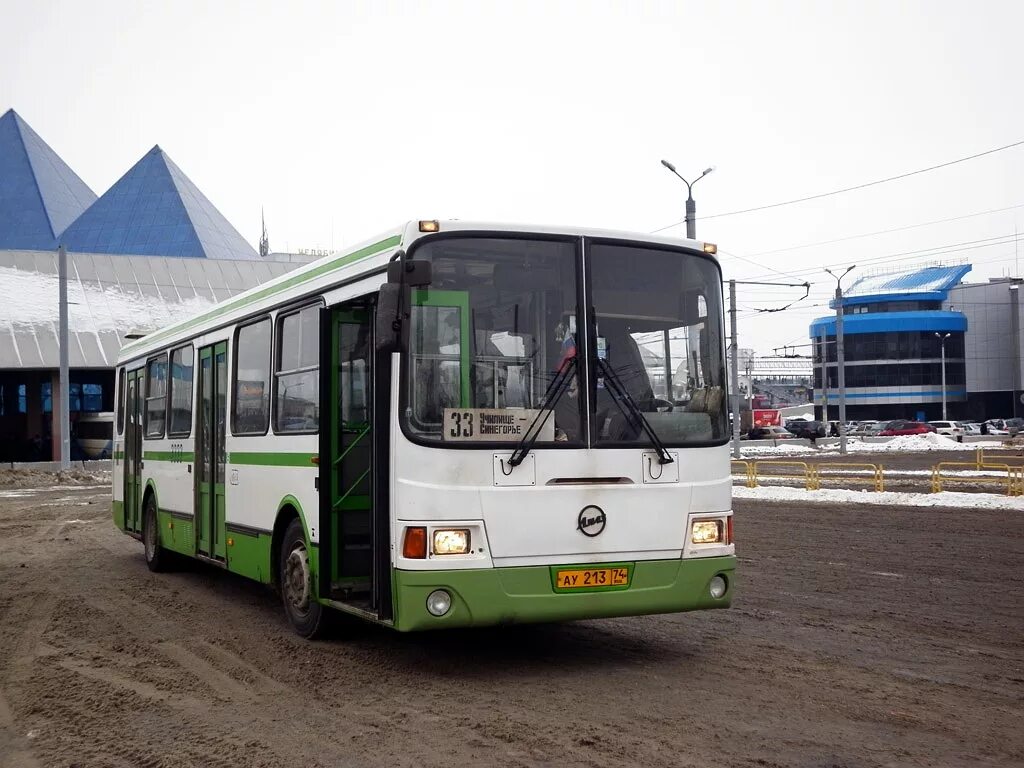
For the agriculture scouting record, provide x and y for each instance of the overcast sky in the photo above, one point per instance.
(345, 118)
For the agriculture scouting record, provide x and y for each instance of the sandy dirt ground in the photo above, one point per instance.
(859, 637)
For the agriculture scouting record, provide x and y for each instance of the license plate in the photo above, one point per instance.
(589, 578)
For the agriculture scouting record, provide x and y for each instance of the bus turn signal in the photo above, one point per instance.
(415, 545)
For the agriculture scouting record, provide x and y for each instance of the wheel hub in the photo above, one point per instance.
(296, 579)
(149, 538)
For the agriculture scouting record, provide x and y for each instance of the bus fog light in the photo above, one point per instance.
(451, 541)
(439, 602)
(706, 532)
(717, 587)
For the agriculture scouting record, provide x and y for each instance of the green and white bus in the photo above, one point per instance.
(452, 425)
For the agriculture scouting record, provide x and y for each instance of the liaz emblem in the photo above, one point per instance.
(591, 521)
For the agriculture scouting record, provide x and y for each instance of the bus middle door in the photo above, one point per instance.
(210, 451)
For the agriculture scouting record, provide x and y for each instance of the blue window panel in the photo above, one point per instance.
(39, 194)
(154, 209)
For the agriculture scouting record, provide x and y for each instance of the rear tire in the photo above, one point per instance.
(158, 559)
(308, 618)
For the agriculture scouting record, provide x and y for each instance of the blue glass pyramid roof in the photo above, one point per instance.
(156, 210)
(39, 194)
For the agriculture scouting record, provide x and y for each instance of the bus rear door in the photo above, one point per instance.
(133, 451)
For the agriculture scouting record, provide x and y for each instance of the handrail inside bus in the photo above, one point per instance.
(352, 445)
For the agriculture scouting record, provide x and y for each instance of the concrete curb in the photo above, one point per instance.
(103, 465)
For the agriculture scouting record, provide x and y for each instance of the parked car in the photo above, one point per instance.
(996, 427)
(866, 428)
(1014, 425)
(970, 427)
(950, 428)
(808, 429)
(902, 427)
(770, 433)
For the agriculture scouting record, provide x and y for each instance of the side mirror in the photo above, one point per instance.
(388, 322)
(412, 272)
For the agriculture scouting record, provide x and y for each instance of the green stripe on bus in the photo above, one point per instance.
(290, 282)
(176, 456)
(273, 459)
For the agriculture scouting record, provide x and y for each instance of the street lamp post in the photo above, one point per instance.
(691, 234)
(691, 206)
(840, 355)
(942, 340)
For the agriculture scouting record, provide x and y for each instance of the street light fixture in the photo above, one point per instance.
(942, 339)
(841, 355)
(691, 206)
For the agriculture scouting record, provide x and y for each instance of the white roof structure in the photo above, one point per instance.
(108, 297)
(909, 281)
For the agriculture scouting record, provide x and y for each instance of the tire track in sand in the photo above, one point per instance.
(14, 749)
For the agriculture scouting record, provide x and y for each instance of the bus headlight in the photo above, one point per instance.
(451, 541)
(439, 602)
(706, 532)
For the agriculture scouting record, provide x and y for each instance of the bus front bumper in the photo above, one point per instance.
(487, 597)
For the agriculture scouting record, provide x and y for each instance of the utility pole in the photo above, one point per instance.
(824, 377)
(64, 423)
(735, 366)
(750, 385)
(840, 356)
(942, 341)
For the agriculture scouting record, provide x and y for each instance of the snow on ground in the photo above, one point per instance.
(782, 449)
(930, 442)
(888, 498)
(902, 444)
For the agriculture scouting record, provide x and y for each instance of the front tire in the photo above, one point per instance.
(308, 618)
(157, 558)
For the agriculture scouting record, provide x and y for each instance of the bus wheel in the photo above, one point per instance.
(308, 617)
(157, 558)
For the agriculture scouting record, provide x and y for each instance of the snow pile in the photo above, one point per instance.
(951, 499)
(782, 449)
(932, 441)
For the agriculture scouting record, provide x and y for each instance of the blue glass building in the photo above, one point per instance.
(156, 210)
(150, 248)
(39, 194)
(894, 329)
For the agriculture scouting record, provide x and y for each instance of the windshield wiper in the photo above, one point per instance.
(632, 411)
(553, 394)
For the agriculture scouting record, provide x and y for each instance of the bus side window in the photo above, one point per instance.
(120, 401)
(180, 381)
(297, 377)
(251, 401)
(156, 396)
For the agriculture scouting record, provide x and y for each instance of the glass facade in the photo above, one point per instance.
(155, 210)
(892, 306)
(39, 194)
(894, 345)
(896, 375)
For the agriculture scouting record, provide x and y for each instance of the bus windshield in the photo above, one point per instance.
(657, 328)
(500, 321)
(488, 337)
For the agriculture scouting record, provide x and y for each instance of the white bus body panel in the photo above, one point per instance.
(537, 524)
